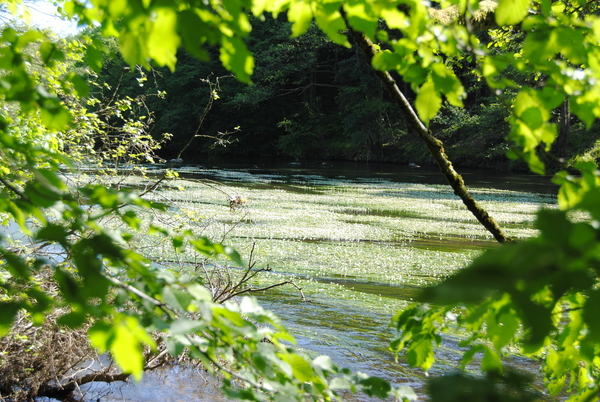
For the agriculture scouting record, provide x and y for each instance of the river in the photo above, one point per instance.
(360, 239)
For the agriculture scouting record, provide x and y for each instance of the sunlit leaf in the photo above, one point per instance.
(123, 339)
(510, 12)
(176, 298)
(428, 101)
(300, 14)
(420, 353)
(133, 49)
(324, 363)
(163, 40)
(446, 82)
(236, 58)
(301, 368)
(360, 17)
(340, 383)
(468, 356)
(55, 116)
(183, 327)
(491, 361)
(331, 22)
(199, 292)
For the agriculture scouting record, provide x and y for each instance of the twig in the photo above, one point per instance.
(251, 290)
(213, 87)
(14, 190)
(144, 296)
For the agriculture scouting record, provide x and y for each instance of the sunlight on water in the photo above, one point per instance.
(359, 248)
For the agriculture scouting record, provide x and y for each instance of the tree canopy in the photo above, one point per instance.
(539, 294)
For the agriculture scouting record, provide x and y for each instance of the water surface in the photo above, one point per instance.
(360, 240)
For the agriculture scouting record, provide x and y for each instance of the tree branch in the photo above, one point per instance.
(435, 146)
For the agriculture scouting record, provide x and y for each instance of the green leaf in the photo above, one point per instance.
(8, 312)
(340, 383)
(300, 14)
(123, 339)
(93, 58)
(395, 18)
(533, 118)
(74, 319)
(592, 306)
(405, 393)
(572, 45)
(69, 287)
(467, 356)
(50, 179)
(491, 361)
(133, 48)
(420, 353)
(16, 265)
(184, 327)
(330, 21)
(301, 368)
(360, 17)
(502, 328)
(81, 86)
(176, 298)
(207, 247)
(386, 60)
(195, 32)
(199, 292)
(540, 45)
(163, 40)
(428, 102)
(236, 58)
(131, 219)
(51, 53)
(175, 348)
(446, 82)
(375, 386)
(324, 363)
(511, 12)
(53, 232)
(41, 195)
(55, 116)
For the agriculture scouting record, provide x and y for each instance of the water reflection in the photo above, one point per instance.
(524, 182)
(173, 384)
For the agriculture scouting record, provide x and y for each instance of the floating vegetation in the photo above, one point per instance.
(359, 248)
(373, 229)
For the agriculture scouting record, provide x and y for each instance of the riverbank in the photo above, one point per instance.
(359, 245)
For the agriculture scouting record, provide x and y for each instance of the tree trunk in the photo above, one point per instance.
(435, 146)
(560, 145)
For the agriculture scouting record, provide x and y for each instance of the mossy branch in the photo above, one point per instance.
(435, 146)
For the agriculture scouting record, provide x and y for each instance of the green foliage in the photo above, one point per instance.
(474, 136)
(101, 280)
(509, 387)
(539, 296)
